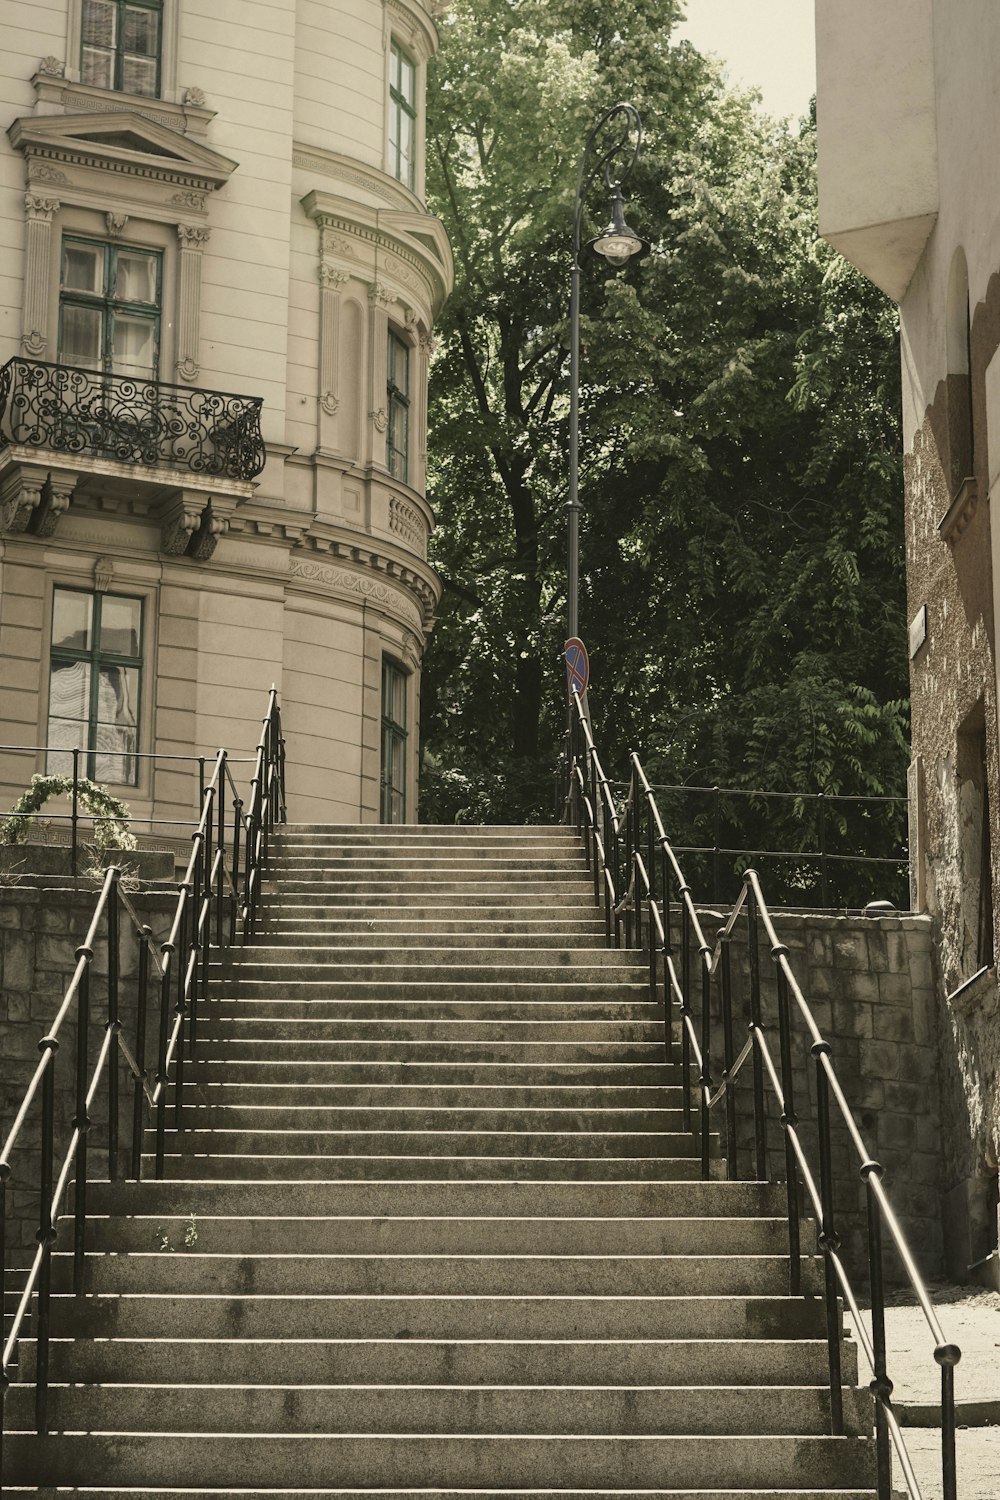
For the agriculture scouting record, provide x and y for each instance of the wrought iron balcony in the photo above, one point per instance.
(84, 412)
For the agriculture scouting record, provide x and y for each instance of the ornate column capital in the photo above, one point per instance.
(193, 236)
(40, 207)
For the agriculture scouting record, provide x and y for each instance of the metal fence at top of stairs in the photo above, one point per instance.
(217, 901)
(648, 903)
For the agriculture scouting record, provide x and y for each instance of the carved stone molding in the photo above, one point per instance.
(380, 418)
(179, 522)
(193, 236)
(57, 492)
(116, 223)
(37, 207)
(333, 276)
(330, 403)
(52, 67)
(194, 97)
(104, 572)
(379, 295)
(404, 522)
(428, 344)
(342, 581)
(20, 497)
(189, 198)
(206, 538)
(34, 343)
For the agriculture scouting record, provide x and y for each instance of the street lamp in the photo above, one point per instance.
(618, 244)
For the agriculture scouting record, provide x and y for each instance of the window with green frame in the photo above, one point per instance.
(120, 45)
(109, 308)
(393, 742)
(402, 116)
(95, 678)
(398, 402)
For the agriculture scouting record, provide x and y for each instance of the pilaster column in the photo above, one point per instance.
(39, 212)
(378, 373)
(426, 345)
(193, 239)
(331, 280)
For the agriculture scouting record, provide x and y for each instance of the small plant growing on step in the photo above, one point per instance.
(162, 1241)
(190, 1232)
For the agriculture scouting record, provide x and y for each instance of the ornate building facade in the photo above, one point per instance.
(908, 115)
(218, 284)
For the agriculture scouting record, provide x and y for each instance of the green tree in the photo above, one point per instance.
(742, 589)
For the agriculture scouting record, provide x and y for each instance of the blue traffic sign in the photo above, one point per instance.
(577, 667)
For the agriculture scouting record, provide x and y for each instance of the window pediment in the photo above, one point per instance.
(121, 142)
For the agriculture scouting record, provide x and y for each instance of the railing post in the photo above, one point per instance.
(235, 866)
(81, 1121)
(668, 949)
(789, 1121)
(114, 1024)
(46, 1235)
(596, 810)
(729, 1057)
(948, 1356)
(220, 844)
(139, 1097)
(706, 1059)
(685, 1009)
(75, 815)
(629, 869)
(822, 850)
(828, 1240)
(881, 1385)
(759, 1116)
(161, 1051)
(716, 838)
(4, 1377)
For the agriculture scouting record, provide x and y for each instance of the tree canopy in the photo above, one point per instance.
(741, 536)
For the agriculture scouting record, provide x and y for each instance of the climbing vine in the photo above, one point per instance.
(111, 814)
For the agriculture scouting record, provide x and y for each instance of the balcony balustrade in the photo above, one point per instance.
(64, 409)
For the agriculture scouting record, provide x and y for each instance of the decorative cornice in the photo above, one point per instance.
(160, 153)
(340, 580)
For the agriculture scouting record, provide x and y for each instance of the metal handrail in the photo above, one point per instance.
(180, 968)
(645, 847)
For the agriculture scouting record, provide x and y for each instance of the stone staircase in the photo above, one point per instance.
(433, 1227)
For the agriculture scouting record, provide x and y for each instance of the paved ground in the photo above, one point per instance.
(971, 1319)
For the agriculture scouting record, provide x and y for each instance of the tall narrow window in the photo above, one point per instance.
(393, 742)
(121, 45)
(398, 435)
(402, 116)
(109, 308)
(95, 671)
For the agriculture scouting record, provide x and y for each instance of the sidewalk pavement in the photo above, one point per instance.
(970, 1318)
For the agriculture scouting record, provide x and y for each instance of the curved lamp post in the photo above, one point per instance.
(618, 244)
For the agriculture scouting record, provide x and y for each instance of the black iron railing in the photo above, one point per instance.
(648, 903)
(218, 898)
(63, 409)
(823, 856)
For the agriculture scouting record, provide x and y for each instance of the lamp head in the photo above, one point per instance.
(619, 244)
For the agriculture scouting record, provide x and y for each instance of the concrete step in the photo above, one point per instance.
(393, 956)
(436, 858)
(442, 1316)
(557, 924)
(48, 1492)
(499, 901)
(231, 1013)
(414, 1141)
(406, 1067)
(236, 1235)
(337, 935)
(557, 1097)
(411, 879)
(302, 1037)
(218, 1165)
(382, 1409)
(583, 1362)
(403, 1050)
(418, 987)
(53, 1493)
(192, 1273)
(422, 1118)
(384, 1462)
(434, 1199)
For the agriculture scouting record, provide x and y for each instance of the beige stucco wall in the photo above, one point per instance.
(946, 53)
(284, 266)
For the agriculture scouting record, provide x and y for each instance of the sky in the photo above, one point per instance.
(767, 43)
